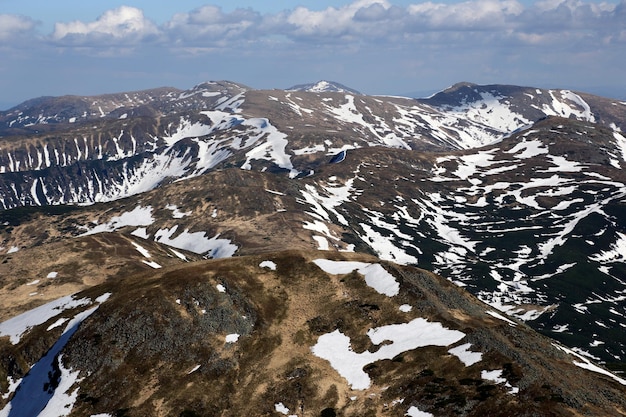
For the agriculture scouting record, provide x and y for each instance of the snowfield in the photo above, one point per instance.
(29, 399)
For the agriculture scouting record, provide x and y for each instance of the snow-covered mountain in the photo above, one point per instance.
(104, 158)
(515, 194)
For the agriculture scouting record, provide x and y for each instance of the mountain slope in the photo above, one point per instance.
(104, 159)
(516, 224)
(265, 335)
(513, 193)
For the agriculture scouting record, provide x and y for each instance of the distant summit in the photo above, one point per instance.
(324, 87)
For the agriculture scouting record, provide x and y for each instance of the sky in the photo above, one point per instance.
(397, 47)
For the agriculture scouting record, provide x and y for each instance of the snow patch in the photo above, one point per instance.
(30, 399)
(196, 242)
(232, 338)
(501, 317)
(375, 275)
(17, 326)
(152, 264)
(465, 355)
(335, 347)
(415, 412)
(139, 216)
(586, 364)
(405, 308)
(268, 264)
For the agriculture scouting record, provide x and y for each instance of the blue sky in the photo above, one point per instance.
(376, 46)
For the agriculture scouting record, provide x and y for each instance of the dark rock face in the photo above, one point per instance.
(161, 328)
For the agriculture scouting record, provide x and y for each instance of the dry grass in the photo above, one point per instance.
(272, 361)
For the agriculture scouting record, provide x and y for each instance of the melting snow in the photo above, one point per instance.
(465, 355)
(272, 150)
(335, 347)
(179, 255)
(620, 142)
(274, 192)
(232, 338)
(322, 243)
(496, 376)
(152, 264)
(194, 369)
(384, 246)
(141, 232)
(335, 196)
(186, 129)
(176, 213)
(63, 399)
(12, 387)
(375, 275)
(18, 325)
(309, 150)
(141, 250)
(268, 264)
(617, 253)
(57, 323)
(280, 408)
(528, 149)
(405, 308)
(501, 317)
(586, 364)
(196, 242)
(30, 399)
(139, 216)
(415, 412)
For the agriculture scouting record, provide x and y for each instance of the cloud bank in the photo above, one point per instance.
(372, 21)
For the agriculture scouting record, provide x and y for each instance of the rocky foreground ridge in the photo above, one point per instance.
(299, 333)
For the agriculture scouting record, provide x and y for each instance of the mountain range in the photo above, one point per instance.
(313, 251)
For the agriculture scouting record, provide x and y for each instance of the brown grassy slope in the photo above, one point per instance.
(137, 350)
(35, 275)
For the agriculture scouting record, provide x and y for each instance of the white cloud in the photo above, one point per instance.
(333, 22)
(480, 15)
(12, 26)
(124, 24)
(210, 24)
(494, 22)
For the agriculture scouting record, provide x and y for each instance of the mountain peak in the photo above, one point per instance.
(459, 86)
(324, 86)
